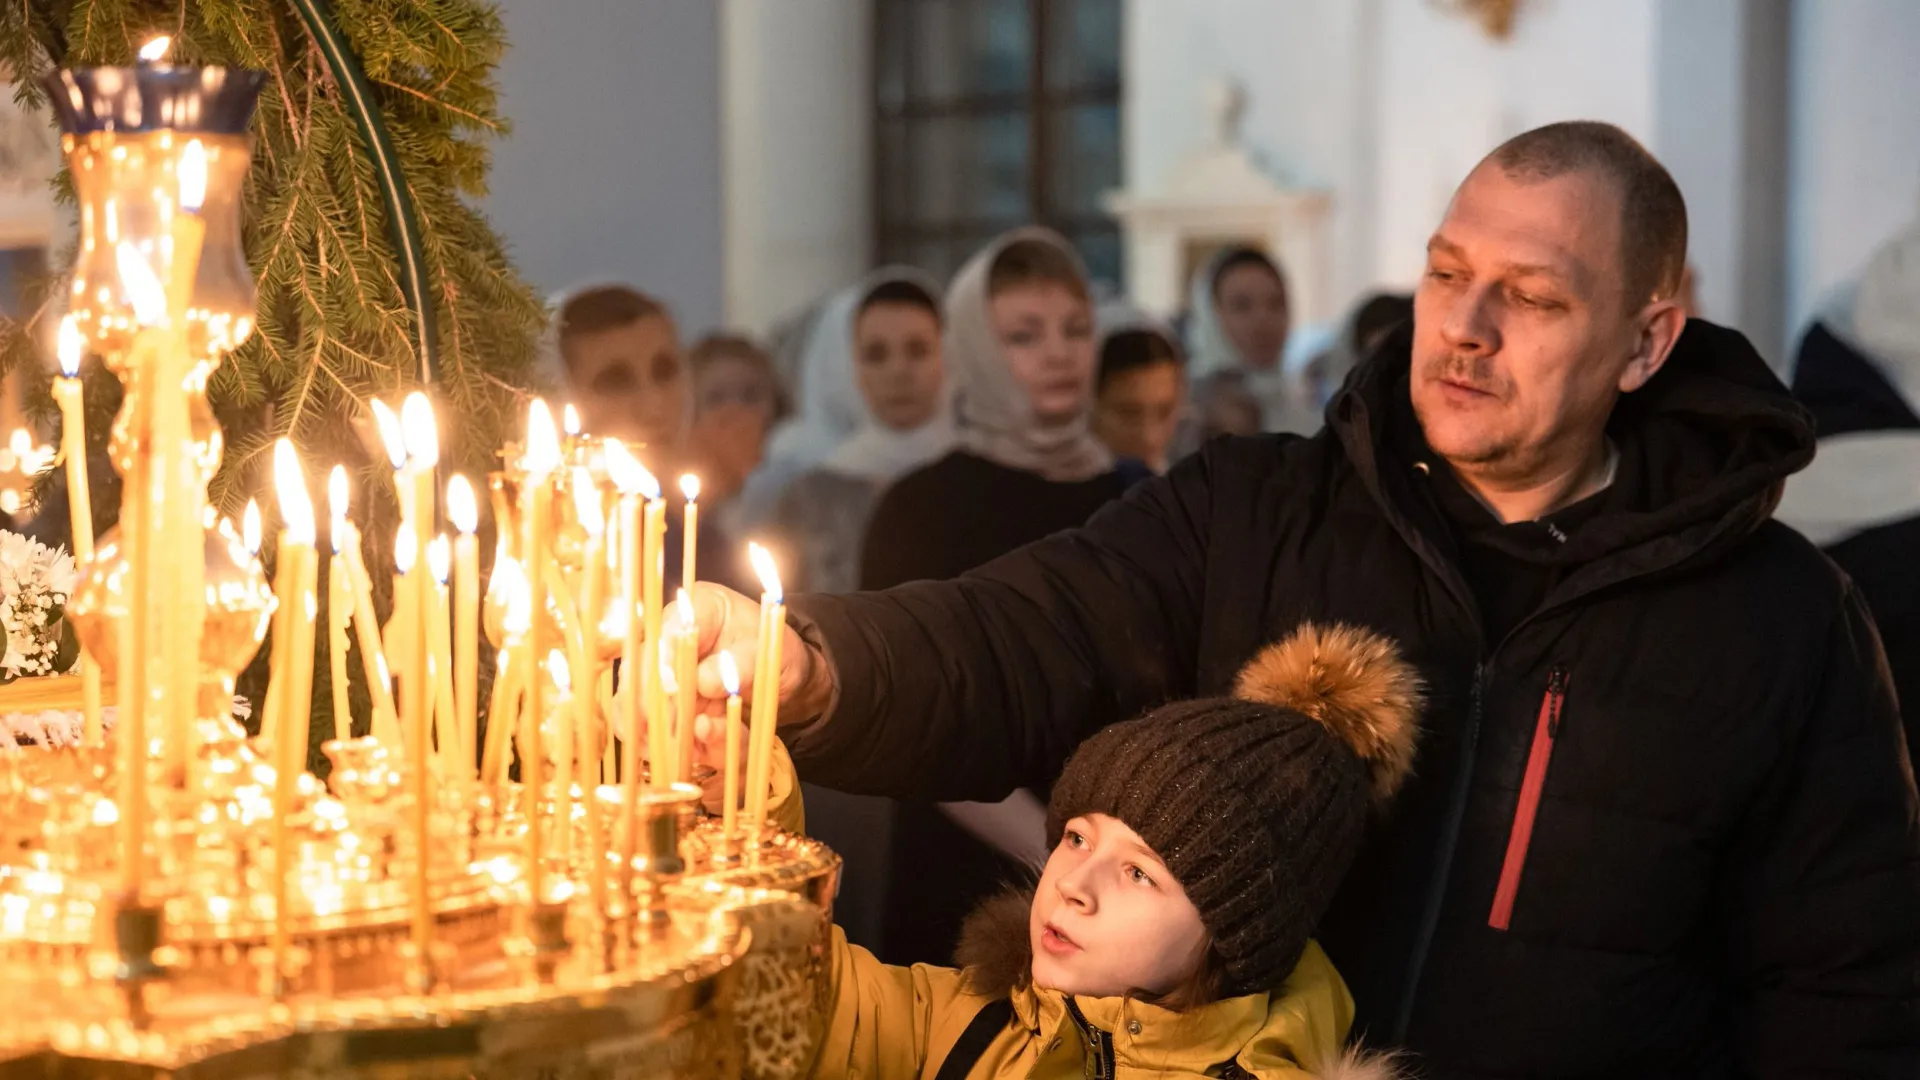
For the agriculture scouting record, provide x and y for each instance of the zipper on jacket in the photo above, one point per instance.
(1449, 842)
(1099, 1064)
(1546, 730)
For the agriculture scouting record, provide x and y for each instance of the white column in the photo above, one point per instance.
(796, 119)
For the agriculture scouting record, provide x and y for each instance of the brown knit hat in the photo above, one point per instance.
(1257, 802)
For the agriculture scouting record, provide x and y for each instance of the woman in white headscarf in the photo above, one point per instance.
(892, 335)
(1239, 320)
(1858, 370)
(1020, 350)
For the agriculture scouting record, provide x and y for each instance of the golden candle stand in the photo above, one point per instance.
(180, 899)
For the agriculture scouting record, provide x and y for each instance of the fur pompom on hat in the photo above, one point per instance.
(1257, 802)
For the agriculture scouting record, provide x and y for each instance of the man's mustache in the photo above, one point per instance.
(1473, 372)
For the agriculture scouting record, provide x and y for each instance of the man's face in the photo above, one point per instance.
(1522, 336)
(631, 382)
(1138, 409)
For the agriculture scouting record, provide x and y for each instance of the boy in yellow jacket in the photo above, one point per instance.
(1169, 936)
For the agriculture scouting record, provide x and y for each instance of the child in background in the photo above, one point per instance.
(1141, 390)
(1195, 849)
(736, 400)
(622, 356)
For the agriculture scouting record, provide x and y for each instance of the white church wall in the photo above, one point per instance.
(612, 171)
(1854, 162)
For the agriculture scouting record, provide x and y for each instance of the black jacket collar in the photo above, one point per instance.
(1712, 437)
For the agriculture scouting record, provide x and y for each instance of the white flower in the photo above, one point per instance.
(34, 579)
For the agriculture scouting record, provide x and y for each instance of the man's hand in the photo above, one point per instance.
(730, 621)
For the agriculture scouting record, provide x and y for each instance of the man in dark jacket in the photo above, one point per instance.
(1661, 822)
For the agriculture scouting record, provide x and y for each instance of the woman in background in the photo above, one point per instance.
(1240, 316)
(736, 401)
(1019, 345)
(893, 338)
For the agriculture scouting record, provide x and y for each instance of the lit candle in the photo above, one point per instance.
(766, 687)
(591, 515)
(629, 480)
(292, 681)
(541, 458)
(394, 440)
(570, 424)
(561, 731)
(422, 438)
(685, 642)
(67, 390)
(653, 569)
(385, 724)
(730, 768)
(339, 602)
(440, 654)
(690, 530)
(516, 614)
(399, 635)
(464, 512)
(415, 701)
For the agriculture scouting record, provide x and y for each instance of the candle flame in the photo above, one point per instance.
(290, 483)
(144, 291)
(629, 476)
(406, 548)
(562, 674)
(419, 432)
(192, 174)
(155, 50)
(440, 558)
(683, 608)
(586, 503)
(729, 674)
(769, 574)
(570, 419)
(462, 510)
(390, 434)
(250, 527)
(337, 506)
(71, 345)
(543, 443)
(690, 487)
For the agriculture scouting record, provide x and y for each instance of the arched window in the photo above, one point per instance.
(990, 114)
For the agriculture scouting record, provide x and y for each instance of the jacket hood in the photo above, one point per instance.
(1301, 1028)
(1711, 440)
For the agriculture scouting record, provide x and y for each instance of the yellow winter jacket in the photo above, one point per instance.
(894, 1023)
(897, 1023)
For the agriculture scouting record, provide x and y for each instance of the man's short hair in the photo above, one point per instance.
(602, 308)
(1653, 214)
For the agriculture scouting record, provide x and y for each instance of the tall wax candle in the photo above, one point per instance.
(730, 768)
(292, 682)
(68, 392)
(689, 530)
(686, 638)
(766, 688)
(339, 602)
(464, 512)
(629, 480)
(540, 459)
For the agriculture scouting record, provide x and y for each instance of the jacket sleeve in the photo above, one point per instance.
(968, 689)
(1823, 888)
(886, 1019)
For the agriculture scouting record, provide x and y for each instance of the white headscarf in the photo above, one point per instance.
(995, 413)
(1869, 478)
(1283, 390)
(875, 451)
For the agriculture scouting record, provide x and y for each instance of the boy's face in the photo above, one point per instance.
(1137, 411)
(631, 382)
(1108, 919)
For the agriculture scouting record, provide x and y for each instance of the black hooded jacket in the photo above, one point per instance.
(1663, 827)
